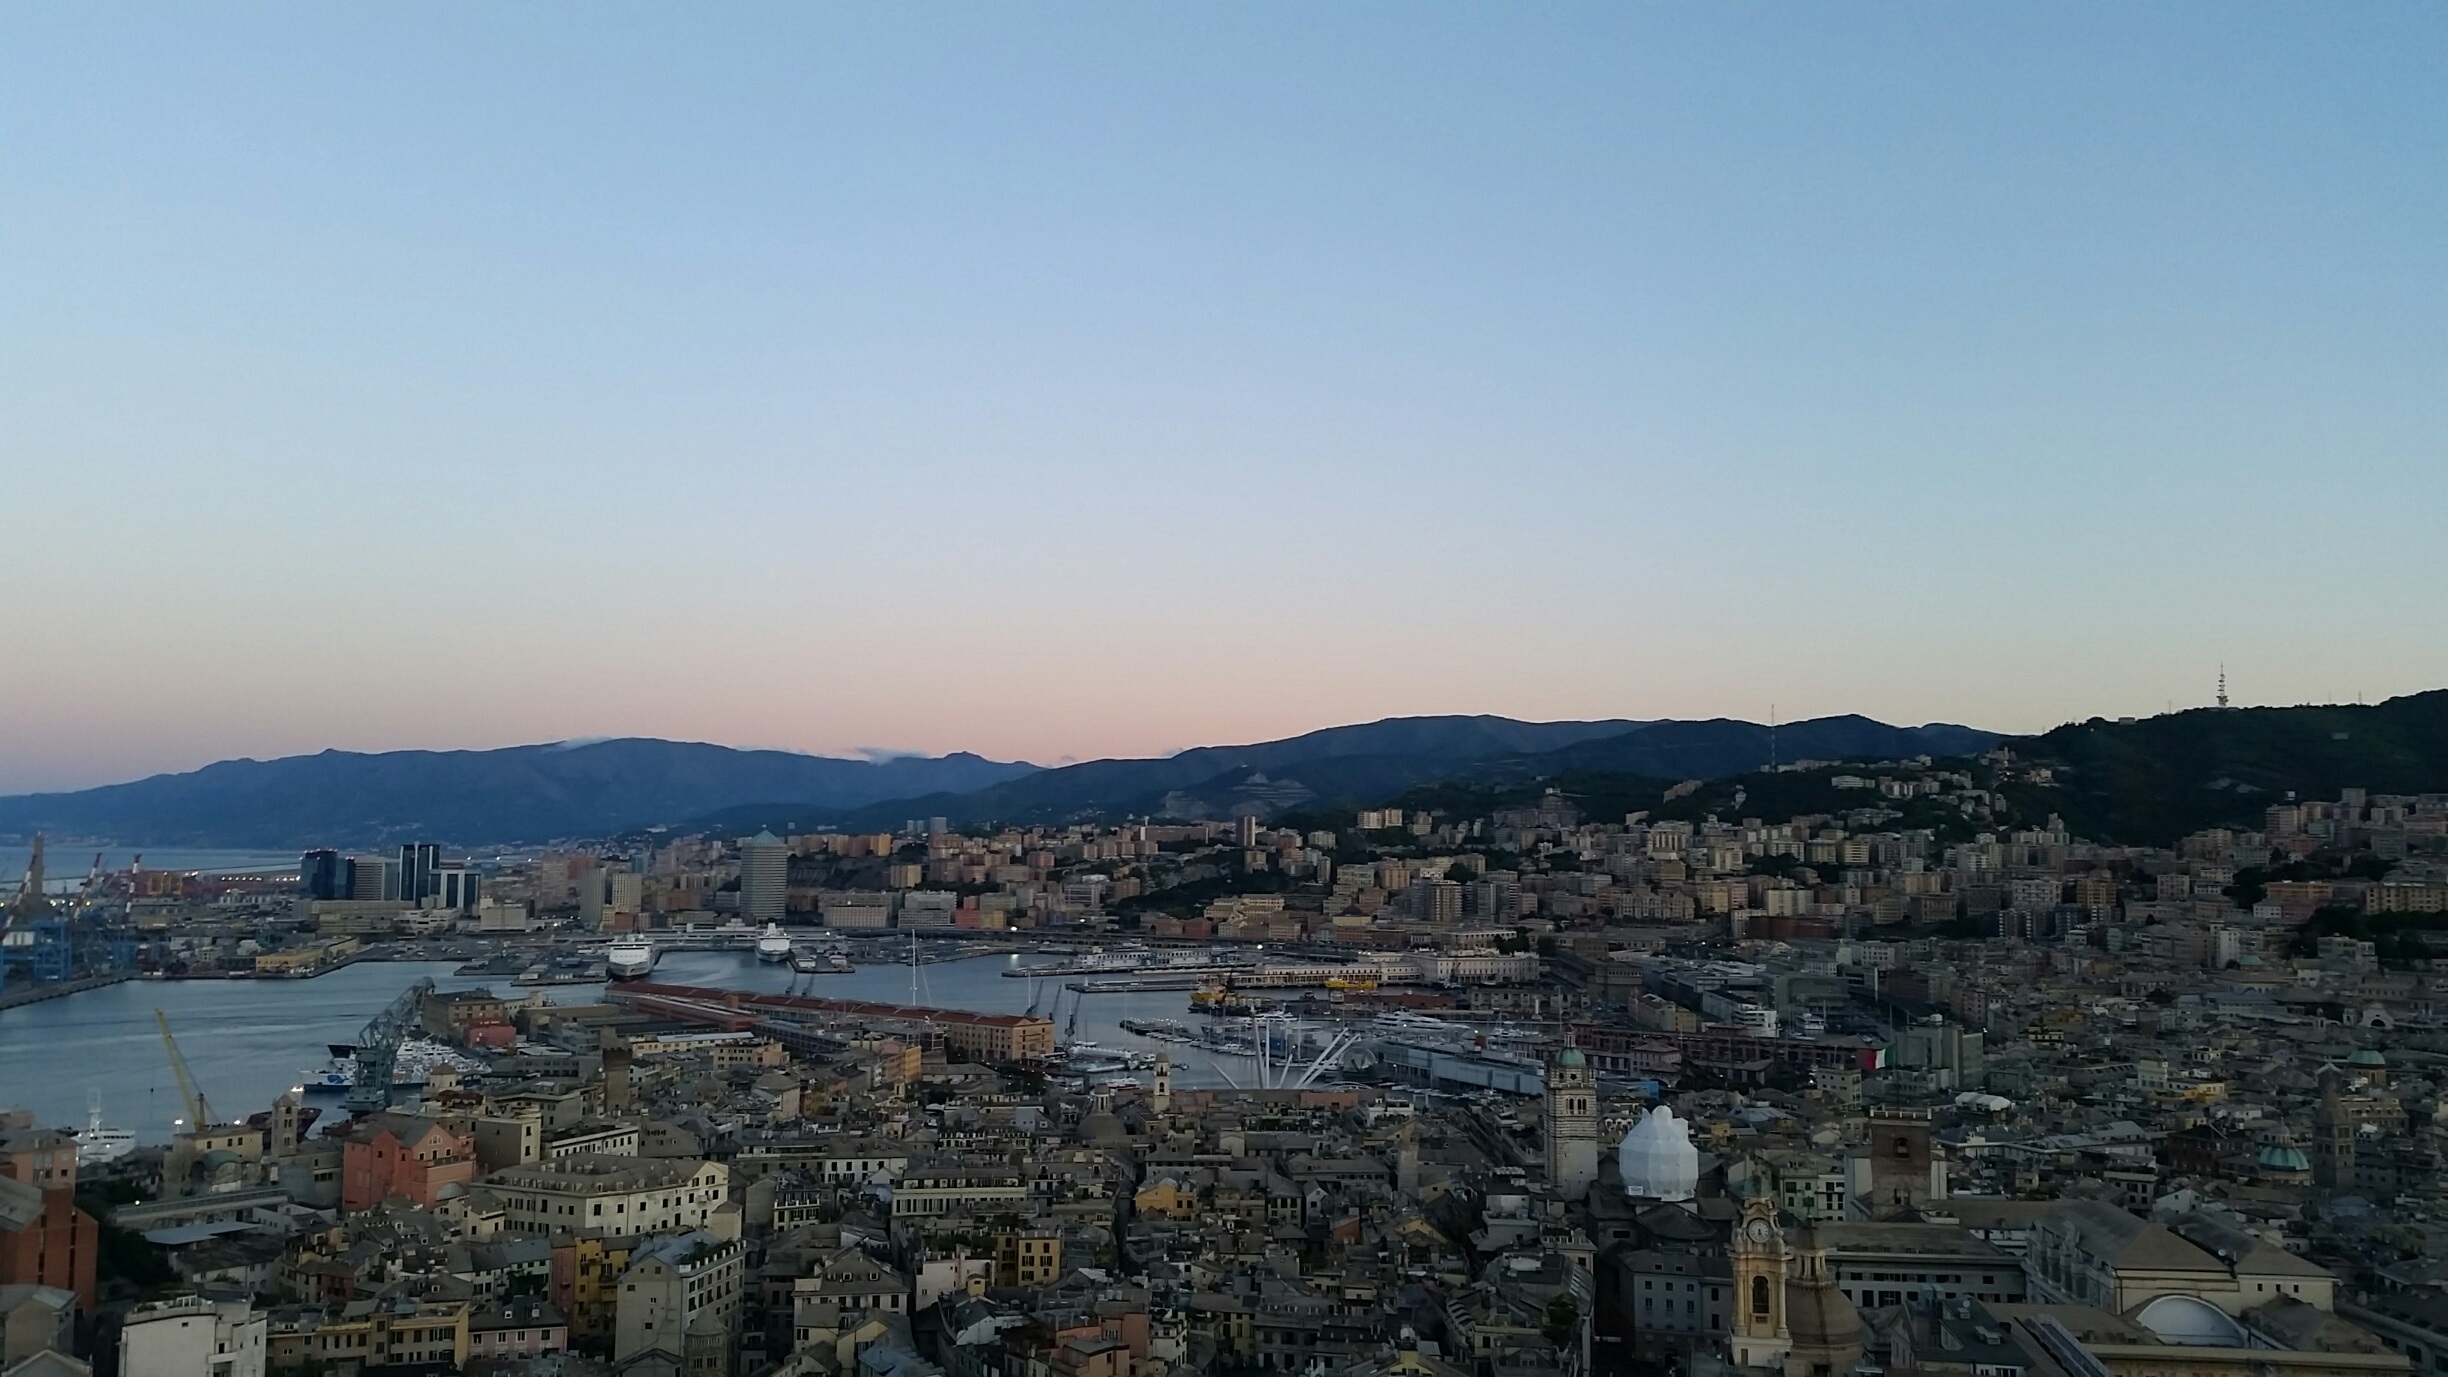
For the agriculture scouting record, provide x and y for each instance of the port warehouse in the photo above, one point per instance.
(984, 1037)
(1416, 969)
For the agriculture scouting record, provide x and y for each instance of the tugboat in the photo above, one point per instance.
(773, 945)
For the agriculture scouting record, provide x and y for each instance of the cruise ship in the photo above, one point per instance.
(773, 945)
(631, 958)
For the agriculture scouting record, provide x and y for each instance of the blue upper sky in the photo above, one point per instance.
(1062, 381)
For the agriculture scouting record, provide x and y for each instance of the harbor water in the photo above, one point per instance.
(245, 1041)
(66, 862)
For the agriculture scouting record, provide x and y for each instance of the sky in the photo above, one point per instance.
(1080, 380)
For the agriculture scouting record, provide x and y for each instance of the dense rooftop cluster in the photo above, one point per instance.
(1890, 1086)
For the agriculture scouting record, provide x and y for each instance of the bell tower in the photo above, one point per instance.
(1572, 1125)
(2333, 1139)
(1161, 1097)
(1759, 1336)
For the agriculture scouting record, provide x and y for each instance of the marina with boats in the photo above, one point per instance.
(1109, 1024)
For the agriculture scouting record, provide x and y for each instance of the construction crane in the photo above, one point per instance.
(378, 1048)
(199, 1114)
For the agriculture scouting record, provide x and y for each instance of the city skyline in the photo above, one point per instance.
(1060, 386)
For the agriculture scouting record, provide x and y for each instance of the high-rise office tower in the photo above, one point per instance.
(372, 877)
(320, 875)
(764, 878)
(420, 871)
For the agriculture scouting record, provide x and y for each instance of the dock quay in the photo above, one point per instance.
(53, 989)
(1130, 986)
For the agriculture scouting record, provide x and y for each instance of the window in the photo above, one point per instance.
(1759, 1296)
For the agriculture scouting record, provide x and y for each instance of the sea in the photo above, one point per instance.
(65, 862)
(246, 1041)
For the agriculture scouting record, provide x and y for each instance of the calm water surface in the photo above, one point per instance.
(65, 862)
(246, 1041)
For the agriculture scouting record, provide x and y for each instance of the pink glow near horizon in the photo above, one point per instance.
(98, 740)
(827, 377)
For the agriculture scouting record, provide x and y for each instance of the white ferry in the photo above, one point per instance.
(774, 945)
(630, 959)
(97, 1144)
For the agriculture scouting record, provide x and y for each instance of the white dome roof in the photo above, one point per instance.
(1657, 1158)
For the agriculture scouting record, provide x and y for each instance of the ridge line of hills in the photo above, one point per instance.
(2145, 781)
(524, 794)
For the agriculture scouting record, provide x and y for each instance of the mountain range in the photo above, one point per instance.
(1372, 762)
(2148, 781)
(516, 794)
(539, 793)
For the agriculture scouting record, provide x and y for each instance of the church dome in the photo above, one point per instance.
(2285, 1157)
(1821, 1317)
(1657, 1159)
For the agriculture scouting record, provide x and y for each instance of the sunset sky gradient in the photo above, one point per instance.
(1063, 381)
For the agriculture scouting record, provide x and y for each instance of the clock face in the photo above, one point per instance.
(1758, 1231)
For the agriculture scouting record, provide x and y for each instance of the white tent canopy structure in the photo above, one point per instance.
(1657, 1159)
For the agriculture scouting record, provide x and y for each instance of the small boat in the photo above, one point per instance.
(418, 1058)
(97, 1144)
(630, 959)
(336, 1076)
(773, 945)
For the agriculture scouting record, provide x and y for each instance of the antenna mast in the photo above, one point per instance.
(2222, 696)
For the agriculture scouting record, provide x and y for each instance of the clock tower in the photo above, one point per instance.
(1760, 1337)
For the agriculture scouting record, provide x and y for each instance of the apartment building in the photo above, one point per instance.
(623, 1195)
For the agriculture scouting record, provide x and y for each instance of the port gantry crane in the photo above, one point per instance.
(199, 1114)
(378, 1048)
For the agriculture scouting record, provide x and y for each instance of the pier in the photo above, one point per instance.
(54, 989)
(1137, 986)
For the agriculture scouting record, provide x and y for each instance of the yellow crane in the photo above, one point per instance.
(199, 1114)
